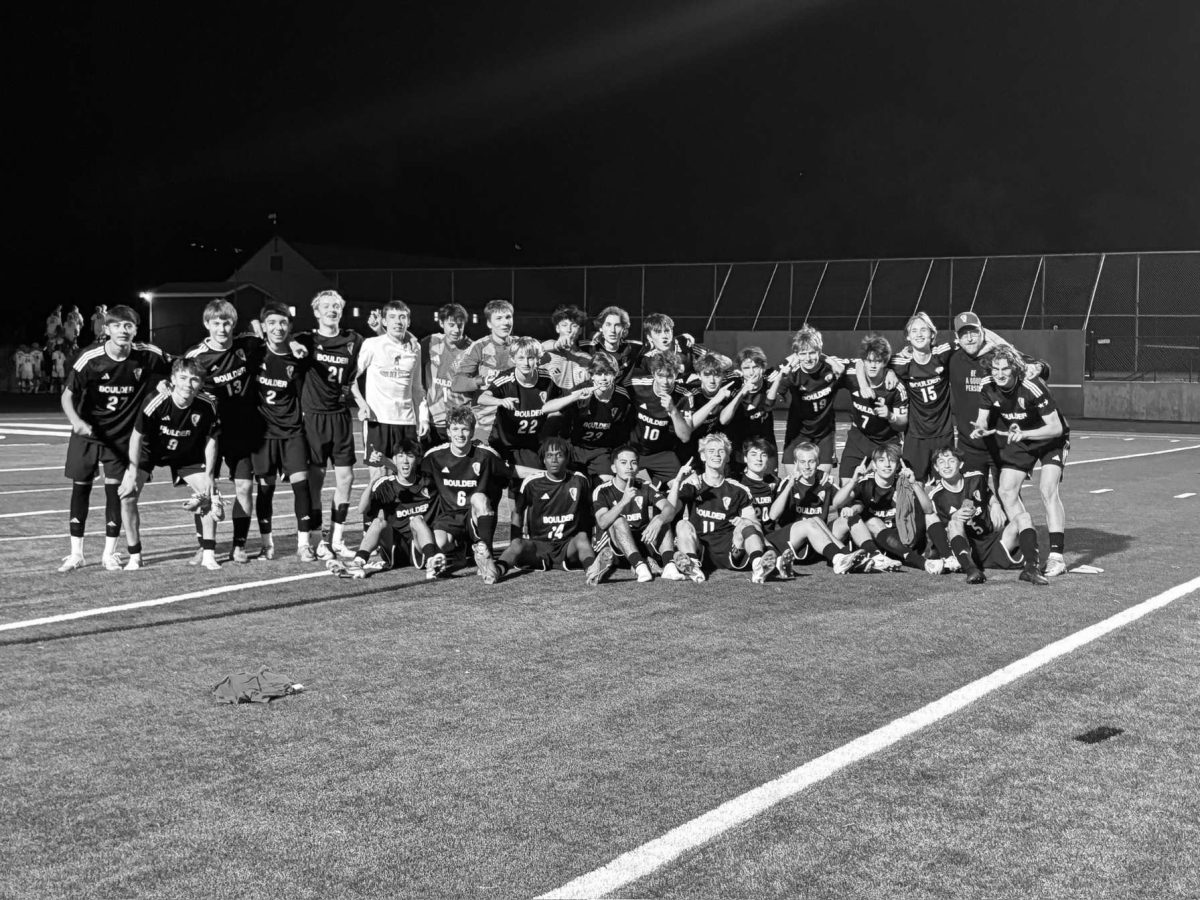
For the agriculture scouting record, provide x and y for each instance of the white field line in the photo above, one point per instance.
(149, 484)
(1183, 496)
(160, 601)
(64, 427)
(60, 535)
(31, 432)
(643, 860)
(58, 468)
(1088, 462)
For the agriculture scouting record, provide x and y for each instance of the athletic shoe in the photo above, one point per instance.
(239, 555)
(653, 566)
(435, 566)
(881, 562)
(197, 557)
(783, 565)
(217, 506)
(976, 577)
(1033, 576)
(854, 561)
(198, 504)
(351, 568)
(72, 561)
(952, 564)
(323, 551)
(643, 573)
(342, 550)
(763, 567)
(112, 562)
(267, 552)
(671, 572)
(304, 553)
(601, 567)
(484, 564)
(935, 566)
(1055, 566)
(688, 567)
(135, 562)
(210, 562)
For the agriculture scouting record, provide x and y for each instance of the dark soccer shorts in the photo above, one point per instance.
(716, 551)
(825, 447)
(518, 456)
(990, 553)
(274, 455)
(330, 438)
(397, 545)
(780, 539)
(1024, 455)
(387, 438)
(978, 455)
(605, 540)
(552, 554)
(237, 448)
(457, 524)
(918, 453)
(858, 447)
(661, 466)
(592, 461)
(84, 455)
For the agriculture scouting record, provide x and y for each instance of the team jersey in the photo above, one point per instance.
(653, 431)
(928, 387)
(975, 488)
(23, 364)
(455, 478)
(688, 351)
(393, 378)
(864, 418)
(810, 407)
(752, 418)
(807, 501)
(763, 492)
(277, 382)
(229, 374)
(1026, 404)
(59, 364)
(333, 365)
(626, 355)
(967, 374)
(482, 358)
(637, 513)
(601, 424)
(712, 509)
(109, 393)
(521, 428)
(441, 356)
(398, 499)
(567, 367)
(557, 508)
(176, 436)
(877, 501)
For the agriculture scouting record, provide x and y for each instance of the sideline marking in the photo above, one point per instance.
(35, 468)
(1102, 491)
(160, 601)
(649, 857)
(1184, 496)
(58, 536)
(1084, 462)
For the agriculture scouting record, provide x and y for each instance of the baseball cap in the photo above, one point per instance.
(966, 320)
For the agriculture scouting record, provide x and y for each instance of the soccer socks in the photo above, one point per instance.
(338, 512)
(636, 559)
(961, 548)
(889, 539)
(80, 494)
(241, 530)
(1058, 540)
(1028, 541)
(264, 507)
(485, 530)
(302, 504)
(199, 530)
(112, 513)
(941, 541)
(831, 550)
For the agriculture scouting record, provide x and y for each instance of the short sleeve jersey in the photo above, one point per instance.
(601, 424)
(877, 501)
(807, 501)
(810, 408)
(928, 386)
(763, 492)
(393, 378)
(556, 509)
(521, 427)
(440, 357)
(176, 436)
(455, 478)
(639, 512)
(399, 499)
(1025, 405)
(278, 378)
(653, 431)
(752, 418)
(713, 509)
(974, 488)
(59, 360)
(864, 418)
(229, 376)
(627, 355)
(109, 393)
(333, 365)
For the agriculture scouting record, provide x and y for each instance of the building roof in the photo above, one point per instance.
(214, 289)
(328, 257)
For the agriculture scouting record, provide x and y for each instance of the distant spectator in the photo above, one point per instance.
(72, 325)
(98, 334)
(24, 369)
(54, 323)
(58, 366)
(36, 361)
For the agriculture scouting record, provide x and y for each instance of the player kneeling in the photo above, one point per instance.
(554, 513)
(395, 507)
(720, 513)
(801, 507)
(633, 519)
(177, 429)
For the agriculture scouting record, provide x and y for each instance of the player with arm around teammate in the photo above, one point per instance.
(812, 380)
(633, 518)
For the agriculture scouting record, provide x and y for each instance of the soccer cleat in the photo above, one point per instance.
(267, 552)
(783, 565)
(935, 566)
(112, 562)
(197, 557)
(372, 566)
(976, 576)
(952, 564)
(239, 555)
(653, 566)
(324, 553)
(304, 553)
(217, 505)
(688, 567)
(762, 568)
(881, 562)
(1055, 566)
(601, 567)
(71, 562)
(1033, 576)
(210, 562)
(135, 562)
(484, 564)
(643, 573)
(671, 572)
(351, 568)
(854, 561)
(342, 550)
(435, 566)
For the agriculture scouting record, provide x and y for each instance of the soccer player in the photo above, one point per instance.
(600, 417)
(441, 353)
(58, 367)
(524, 399)
(393, 405)
(565, 359)
(763, 486)
(556, 513)
(633, 517)
(463, 475)
(968, 528)
(923, 368)
(878, 413)
(661, 424)
(106, 388)
(712, 390)
(811, 379)
(612, 336)
(658, 336)
(869, 506)
(748, 413)
(484, 360)
(799, 515)
(717, 507)
(1022, 412)
(179, 429)
(23, 366)
(278, 375)
(328, 426)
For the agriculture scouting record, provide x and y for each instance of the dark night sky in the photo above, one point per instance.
(616, 132)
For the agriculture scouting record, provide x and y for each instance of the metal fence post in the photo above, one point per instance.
(1137, 312)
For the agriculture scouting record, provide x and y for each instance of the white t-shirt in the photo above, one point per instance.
(393, 385)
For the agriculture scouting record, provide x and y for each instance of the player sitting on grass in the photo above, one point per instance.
(763, 485)
(554, 510)
(718, 508)
(968, 528)
(397, 506)
(178, 429)
(633, 518)
(801, 510)
(869, 505)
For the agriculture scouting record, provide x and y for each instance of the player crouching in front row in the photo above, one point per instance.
(633, 518)
(179, 430)
(871, 507)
